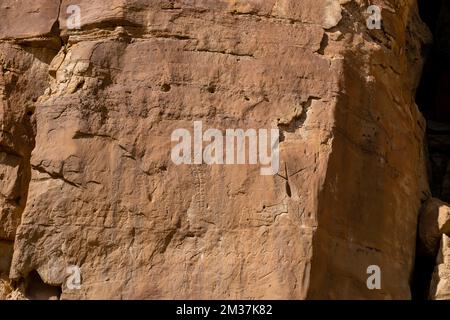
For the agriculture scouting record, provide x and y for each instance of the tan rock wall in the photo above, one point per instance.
(105, 196)
(376, 176)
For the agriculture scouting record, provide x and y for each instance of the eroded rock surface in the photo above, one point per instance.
(87, 117)
(440, 283)
(434, 245)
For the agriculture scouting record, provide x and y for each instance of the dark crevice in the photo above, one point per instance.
(37, 289)
(423, 271)
(433, 99)
(323, 44)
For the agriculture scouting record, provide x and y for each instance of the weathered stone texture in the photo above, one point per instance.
(440, 283)
(92, 122)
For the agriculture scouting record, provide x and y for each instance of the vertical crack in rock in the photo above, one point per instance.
(433, 99)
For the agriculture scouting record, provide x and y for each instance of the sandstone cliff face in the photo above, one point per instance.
(86, 173)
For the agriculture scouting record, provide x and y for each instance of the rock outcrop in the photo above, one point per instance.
(434, 245)
(87, 180)
(440, 284)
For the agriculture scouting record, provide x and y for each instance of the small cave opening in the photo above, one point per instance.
(433, 99)
(37, 289)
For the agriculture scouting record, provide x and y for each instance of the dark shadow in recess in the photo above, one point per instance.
(433, 99)
(36, 289)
